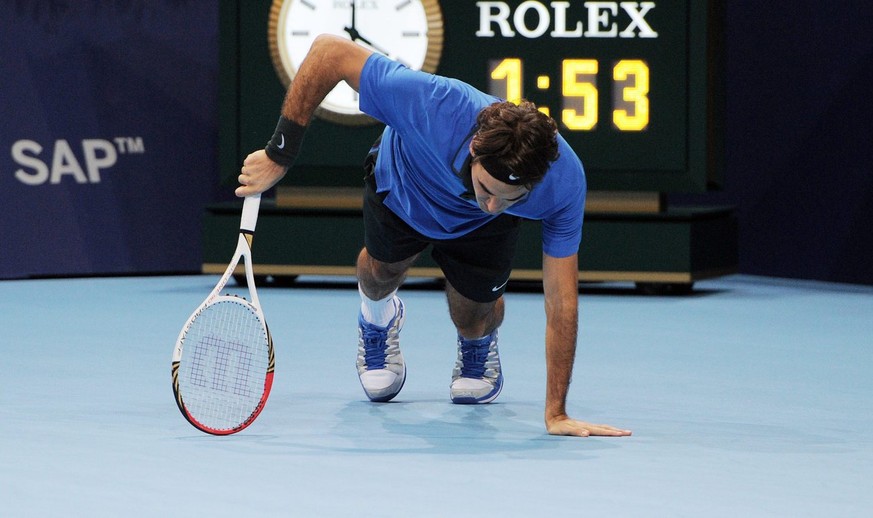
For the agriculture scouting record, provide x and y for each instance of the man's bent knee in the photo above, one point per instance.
(473, 319)
(377, 278)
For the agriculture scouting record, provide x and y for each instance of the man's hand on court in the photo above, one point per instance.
(563, 425)
(258, 174)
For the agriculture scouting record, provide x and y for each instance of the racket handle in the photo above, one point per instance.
(250, 213)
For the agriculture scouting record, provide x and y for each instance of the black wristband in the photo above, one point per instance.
(285, 144)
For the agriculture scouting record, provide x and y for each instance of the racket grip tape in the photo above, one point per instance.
(250, 213)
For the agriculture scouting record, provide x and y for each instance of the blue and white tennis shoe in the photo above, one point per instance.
(381, 368)
(477, 377)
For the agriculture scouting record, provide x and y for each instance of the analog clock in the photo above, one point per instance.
(409, 31)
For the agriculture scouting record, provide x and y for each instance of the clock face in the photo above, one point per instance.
(408, 31)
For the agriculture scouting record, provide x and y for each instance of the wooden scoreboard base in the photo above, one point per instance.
(662, 250)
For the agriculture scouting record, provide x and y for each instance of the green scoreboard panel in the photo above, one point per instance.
(636, 87)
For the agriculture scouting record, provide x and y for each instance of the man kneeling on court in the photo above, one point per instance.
(455, 169)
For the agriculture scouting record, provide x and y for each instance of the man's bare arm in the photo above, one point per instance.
(560, 284)
(331, 59)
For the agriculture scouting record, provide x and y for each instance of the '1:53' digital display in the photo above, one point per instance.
(634, 86)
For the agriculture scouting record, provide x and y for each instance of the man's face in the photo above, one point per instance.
(492, 195)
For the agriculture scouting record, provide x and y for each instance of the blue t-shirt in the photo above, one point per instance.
(430, 121)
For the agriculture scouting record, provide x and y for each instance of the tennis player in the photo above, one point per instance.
(455, 169)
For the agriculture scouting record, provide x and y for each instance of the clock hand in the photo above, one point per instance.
(352, 30)
(353, 33)
(356, 36)
(371, 44)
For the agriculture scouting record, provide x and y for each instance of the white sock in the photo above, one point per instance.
(378, 312)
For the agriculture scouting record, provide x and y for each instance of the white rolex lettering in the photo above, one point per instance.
(494, 13)
(599, 19)
(560, 9)
(544, 19)
(637, 13)
(532, 19)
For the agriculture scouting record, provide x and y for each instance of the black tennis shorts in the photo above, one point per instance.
(477, 264)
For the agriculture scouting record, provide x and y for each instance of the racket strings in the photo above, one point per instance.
(231, 359)
(223, 369)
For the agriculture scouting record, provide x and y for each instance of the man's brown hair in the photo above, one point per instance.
(516, 144)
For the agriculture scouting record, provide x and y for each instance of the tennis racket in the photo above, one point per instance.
(223, 361)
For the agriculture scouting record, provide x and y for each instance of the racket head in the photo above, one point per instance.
(223, 366)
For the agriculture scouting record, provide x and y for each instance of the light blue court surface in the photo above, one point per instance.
(752, 397)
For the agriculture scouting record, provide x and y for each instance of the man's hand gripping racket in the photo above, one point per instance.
(223, 361)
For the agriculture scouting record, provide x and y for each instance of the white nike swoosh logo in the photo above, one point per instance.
(282, 143)
(497, 288)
